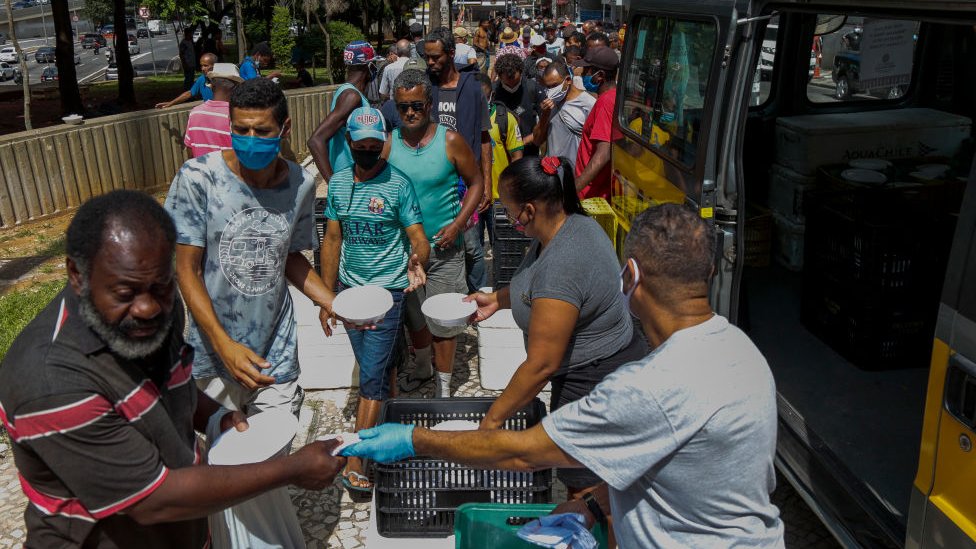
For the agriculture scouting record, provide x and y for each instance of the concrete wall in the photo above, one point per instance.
(53, 170)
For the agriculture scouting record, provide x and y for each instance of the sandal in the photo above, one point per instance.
(360, 478)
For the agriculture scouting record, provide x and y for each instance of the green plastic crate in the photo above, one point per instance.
(480, 525)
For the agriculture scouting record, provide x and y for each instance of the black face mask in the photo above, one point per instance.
(366, 160)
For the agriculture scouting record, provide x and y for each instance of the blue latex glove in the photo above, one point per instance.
(559, 531)
(384, 443)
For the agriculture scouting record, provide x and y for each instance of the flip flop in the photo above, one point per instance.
(360, 478)
(411, 383)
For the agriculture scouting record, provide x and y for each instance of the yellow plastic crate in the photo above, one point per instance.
(600, 210)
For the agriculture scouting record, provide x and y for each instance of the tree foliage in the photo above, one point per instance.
(282, 40)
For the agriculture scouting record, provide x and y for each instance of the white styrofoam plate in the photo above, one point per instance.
(448, 309)
(456, 425)
(863, 176)
(870, 164)
(933, 170)
(348, 439)
(363, 304)
(266, 434)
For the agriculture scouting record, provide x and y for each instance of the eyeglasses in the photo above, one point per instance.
(417, 106)
(514, 220)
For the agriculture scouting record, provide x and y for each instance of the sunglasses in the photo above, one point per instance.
(417, 106)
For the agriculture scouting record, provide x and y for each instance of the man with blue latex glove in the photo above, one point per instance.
(684, 438)
(384, 443)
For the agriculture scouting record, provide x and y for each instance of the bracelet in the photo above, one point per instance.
(594, 507)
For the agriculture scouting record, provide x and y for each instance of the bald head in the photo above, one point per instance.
(207, 61)
(403, 48)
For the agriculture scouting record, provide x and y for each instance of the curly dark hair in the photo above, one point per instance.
(509, 64)
(444, 37)
(132, 210)
(260, 93)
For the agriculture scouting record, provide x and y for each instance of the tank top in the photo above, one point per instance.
(434, 179)
(339, 154)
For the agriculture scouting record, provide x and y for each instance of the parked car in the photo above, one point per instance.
(112, 72)
(44, 54)
(8, 54)
(50, 74)
(89, 40)
(6, 72)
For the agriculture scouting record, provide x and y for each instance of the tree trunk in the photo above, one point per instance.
(127, 91)
(435, 14)
(23, 66)
(65, 59)
(239, 22)
(328, 46)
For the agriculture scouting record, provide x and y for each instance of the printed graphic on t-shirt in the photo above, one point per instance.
(252, 249)
(377, 205)
(446, 114)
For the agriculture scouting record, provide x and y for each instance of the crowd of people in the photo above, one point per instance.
(663, 415)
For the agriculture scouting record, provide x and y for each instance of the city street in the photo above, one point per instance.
(92, 67)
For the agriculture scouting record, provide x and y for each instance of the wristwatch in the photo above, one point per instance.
(594, 507)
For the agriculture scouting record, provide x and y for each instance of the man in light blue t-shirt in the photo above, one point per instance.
(684, 439)
(243, 217)
(373, 214)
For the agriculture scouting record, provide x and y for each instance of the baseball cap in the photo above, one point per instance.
(537, 40)
(226, 70)
(461, 31)
(359, 52)
(365, 123)
(600, 57)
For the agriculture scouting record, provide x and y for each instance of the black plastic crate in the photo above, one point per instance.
(418, 497)
(872, 331)
(850, 243)
(320, 223)
(503, 275)
(512, 246)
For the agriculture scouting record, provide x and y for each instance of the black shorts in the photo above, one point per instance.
(578, 382)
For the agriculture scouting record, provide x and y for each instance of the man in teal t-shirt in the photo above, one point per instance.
(373, 215)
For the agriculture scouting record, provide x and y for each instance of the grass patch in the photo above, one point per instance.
(18, 309)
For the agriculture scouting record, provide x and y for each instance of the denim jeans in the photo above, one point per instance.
(474, 258)
(378, 351)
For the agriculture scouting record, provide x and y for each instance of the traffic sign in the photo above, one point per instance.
(74, 18)
(144, 12)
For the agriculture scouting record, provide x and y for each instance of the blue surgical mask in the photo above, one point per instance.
(667, 117)
(253, 152)
(589, 85)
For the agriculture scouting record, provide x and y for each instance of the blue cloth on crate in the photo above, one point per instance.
(559, 532)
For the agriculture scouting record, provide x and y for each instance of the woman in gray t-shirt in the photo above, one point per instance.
(565, 296)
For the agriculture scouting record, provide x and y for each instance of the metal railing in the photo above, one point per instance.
(49, 171)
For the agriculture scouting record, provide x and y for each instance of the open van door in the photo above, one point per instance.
(676, 68)
(943, 503)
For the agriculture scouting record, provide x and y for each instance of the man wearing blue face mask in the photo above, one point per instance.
(593, 156)
(243, 216)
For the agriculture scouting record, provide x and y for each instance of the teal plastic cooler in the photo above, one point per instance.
(494, 525)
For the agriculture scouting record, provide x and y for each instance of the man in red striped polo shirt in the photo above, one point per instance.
(208, 128)
(98, 399)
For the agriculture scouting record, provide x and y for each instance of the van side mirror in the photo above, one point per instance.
(827, 23)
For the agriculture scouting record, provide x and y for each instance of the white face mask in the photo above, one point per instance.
(556, 93)
(512, 89)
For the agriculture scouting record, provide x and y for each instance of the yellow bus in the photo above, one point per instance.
(842, 196)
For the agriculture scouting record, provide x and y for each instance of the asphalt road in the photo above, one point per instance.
(92, 67)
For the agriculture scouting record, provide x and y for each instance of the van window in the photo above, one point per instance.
(666, 84)
(867, 59)
(765, 65)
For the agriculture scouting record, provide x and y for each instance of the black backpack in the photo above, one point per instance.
(501, 118)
